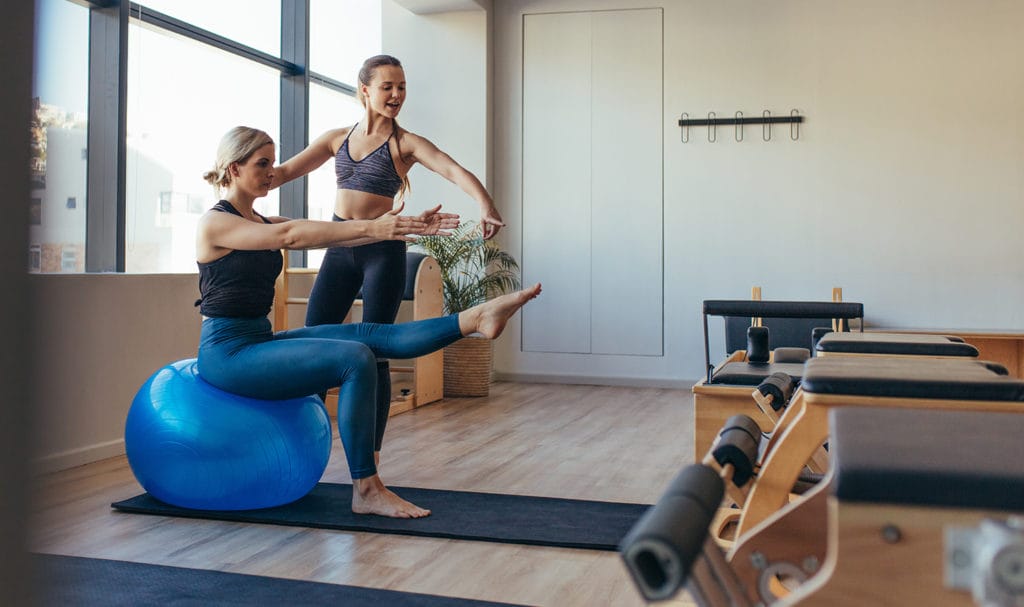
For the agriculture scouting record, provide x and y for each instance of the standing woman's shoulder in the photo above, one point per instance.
(409, 144)
(334, 138)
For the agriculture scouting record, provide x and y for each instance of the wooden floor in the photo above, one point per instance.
(585, 442)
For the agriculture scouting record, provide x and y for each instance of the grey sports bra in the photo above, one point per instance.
(375, 174)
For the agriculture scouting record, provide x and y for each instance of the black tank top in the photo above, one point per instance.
(240, 284)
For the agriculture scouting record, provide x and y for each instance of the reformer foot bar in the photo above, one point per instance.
(907, 520)
(736, 456)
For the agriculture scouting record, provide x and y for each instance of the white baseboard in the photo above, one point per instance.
(77, 457)
(604, 380)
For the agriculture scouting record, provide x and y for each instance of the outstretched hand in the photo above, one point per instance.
(437, 223)
(491, 222)
(394, 226)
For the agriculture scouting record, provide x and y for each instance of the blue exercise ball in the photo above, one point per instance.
(192, 445)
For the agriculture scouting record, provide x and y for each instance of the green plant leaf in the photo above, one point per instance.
(473, 270)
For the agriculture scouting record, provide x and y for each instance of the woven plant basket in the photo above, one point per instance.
(467, 367)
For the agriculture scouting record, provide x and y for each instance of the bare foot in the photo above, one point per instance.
(370, 496)
(489, 318)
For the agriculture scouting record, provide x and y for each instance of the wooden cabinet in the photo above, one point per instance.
(1003, 347)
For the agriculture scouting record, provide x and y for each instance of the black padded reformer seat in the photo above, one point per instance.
(958, 459)
(900, 344)
(925, 378)
(751, 374)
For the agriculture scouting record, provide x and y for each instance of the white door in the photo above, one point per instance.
(592, 181)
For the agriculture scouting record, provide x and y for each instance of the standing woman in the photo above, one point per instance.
(372, 159)
(238, 252)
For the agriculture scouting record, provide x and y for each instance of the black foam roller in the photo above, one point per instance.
(745, 422)
(661, 548)
(780, 387)
(758, 348)
(738, 448)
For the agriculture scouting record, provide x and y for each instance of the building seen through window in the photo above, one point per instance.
(58, 135)
(182, 97)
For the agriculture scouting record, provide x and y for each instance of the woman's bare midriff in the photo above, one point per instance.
(352, 204)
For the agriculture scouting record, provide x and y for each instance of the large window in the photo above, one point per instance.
(193, 69)
(255, 23)
(182, 97)
(342, 35)
(60, 90)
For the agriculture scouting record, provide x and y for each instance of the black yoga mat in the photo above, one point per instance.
(78, 581)
(489, 517)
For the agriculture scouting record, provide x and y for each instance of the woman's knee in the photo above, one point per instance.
(358, 358)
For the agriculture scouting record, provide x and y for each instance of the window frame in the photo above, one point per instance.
(106, 173)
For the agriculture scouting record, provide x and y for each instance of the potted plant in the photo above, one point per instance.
(473, 270)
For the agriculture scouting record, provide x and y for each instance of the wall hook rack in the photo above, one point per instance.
(739, 120)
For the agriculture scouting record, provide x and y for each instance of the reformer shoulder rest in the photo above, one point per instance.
(783, 309)
(730, 308)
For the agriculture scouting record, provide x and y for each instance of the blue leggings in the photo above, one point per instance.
(243, 356)
(379, 270)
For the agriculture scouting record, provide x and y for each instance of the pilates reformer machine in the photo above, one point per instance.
(743, 446)
(776, 372)
(901, 518)
(779, 338)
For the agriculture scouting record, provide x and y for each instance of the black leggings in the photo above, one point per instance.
(379, 270)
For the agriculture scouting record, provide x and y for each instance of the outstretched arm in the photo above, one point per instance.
(319, 151)
(428, 154)
(222, 231)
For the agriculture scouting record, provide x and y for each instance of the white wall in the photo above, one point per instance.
(96, 338)
(905, 187)
(447, 72)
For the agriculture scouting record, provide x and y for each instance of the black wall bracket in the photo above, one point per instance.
(739, 120)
